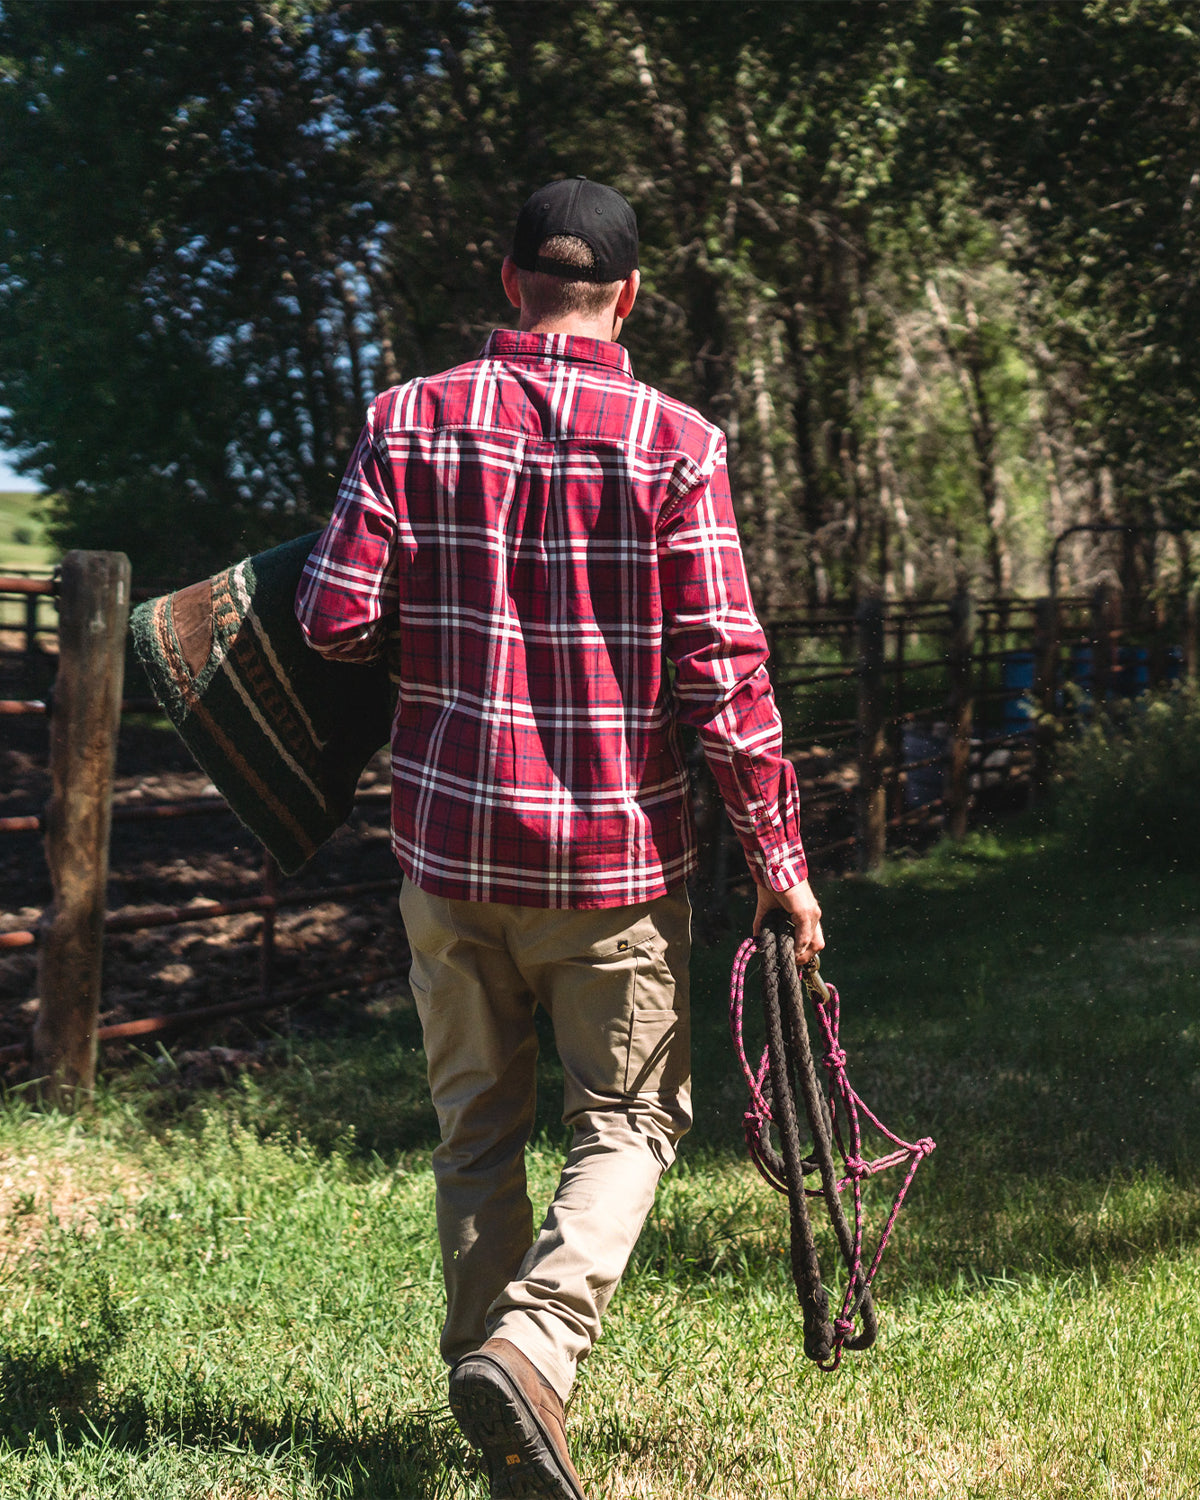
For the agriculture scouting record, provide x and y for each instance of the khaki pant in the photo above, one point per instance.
(615, 986)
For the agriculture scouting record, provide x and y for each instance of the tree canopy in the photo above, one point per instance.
(930, 266)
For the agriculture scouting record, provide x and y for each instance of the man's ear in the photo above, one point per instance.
(628, 294)
(512, 282)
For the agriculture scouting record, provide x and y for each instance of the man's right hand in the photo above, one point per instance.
(802, 908)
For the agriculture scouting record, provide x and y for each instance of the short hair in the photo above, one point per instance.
(546, 296)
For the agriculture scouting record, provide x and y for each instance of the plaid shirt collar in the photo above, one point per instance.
(507, 343)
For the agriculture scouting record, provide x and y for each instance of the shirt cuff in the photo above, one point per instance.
(782, 870)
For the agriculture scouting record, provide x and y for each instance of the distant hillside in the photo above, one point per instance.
(23, 541)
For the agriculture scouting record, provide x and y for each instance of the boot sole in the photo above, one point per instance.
(496, 1418)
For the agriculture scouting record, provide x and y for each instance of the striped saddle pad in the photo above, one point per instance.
(282, 733)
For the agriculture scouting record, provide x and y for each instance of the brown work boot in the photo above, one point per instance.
(515, 1419)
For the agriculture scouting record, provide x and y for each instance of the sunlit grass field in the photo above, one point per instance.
(24, 548)
(236, 1292)
(23, 542)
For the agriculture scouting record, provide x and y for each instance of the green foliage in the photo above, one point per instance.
(1132, 789)
(1078, 125)
(23, 542)
(929, 266)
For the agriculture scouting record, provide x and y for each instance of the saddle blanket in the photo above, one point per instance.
(282, 733)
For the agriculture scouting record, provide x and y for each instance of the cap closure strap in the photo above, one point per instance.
(564, 269)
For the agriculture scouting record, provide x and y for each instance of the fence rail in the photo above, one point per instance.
(904, 719)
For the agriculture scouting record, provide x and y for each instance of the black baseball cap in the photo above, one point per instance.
(593, 213)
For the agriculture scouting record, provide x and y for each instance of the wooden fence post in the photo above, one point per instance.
(1045, 692)
(93, 615)
(872, 743)
(1106, 634)
(961, 712)
(894, 797)
(1160, 642)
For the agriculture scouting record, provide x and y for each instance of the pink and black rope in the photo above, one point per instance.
(786, 1066)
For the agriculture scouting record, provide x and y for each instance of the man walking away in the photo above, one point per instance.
(554, 546)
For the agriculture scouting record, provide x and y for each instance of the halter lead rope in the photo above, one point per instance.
(785, 1069)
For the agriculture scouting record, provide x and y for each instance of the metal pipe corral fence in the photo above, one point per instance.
(903, 719)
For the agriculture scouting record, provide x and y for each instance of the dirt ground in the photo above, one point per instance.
(208, 857)
(53, 1183)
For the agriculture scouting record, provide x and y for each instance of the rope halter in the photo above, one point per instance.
(785, 1073)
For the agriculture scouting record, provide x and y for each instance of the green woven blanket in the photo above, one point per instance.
(282, 733)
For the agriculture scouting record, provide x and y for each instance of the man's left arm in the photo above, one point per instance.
(722, 688)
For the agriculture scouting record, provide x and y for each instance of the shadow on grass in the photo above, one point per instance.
(1010, 1226)
(355, 1083)
(54, 1404)
(1030, 1015)
(1035, 1016)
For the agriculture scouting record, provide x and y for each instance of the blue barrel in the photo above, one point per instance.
(1016, 678)
(1134, 664)
(1079, 667)
(923, 783)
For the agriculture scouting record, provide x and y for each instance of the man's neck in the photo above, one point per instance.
(580, 328)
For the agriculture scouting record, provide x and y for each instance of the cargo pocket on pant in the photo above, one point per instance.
(659, 1059)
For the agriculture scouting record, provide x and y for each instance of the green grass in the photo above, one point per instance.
(23, 542)
(24, 548)
(237, 1293)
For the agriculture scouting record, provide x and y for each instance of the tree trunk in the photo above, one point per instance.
(770, 504)
(968, 366)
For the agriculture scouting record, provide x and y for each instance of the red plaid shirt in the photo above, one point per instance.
(547, 549)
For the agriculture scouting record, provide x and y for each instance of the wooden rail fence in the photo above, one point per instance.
(904, 720)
